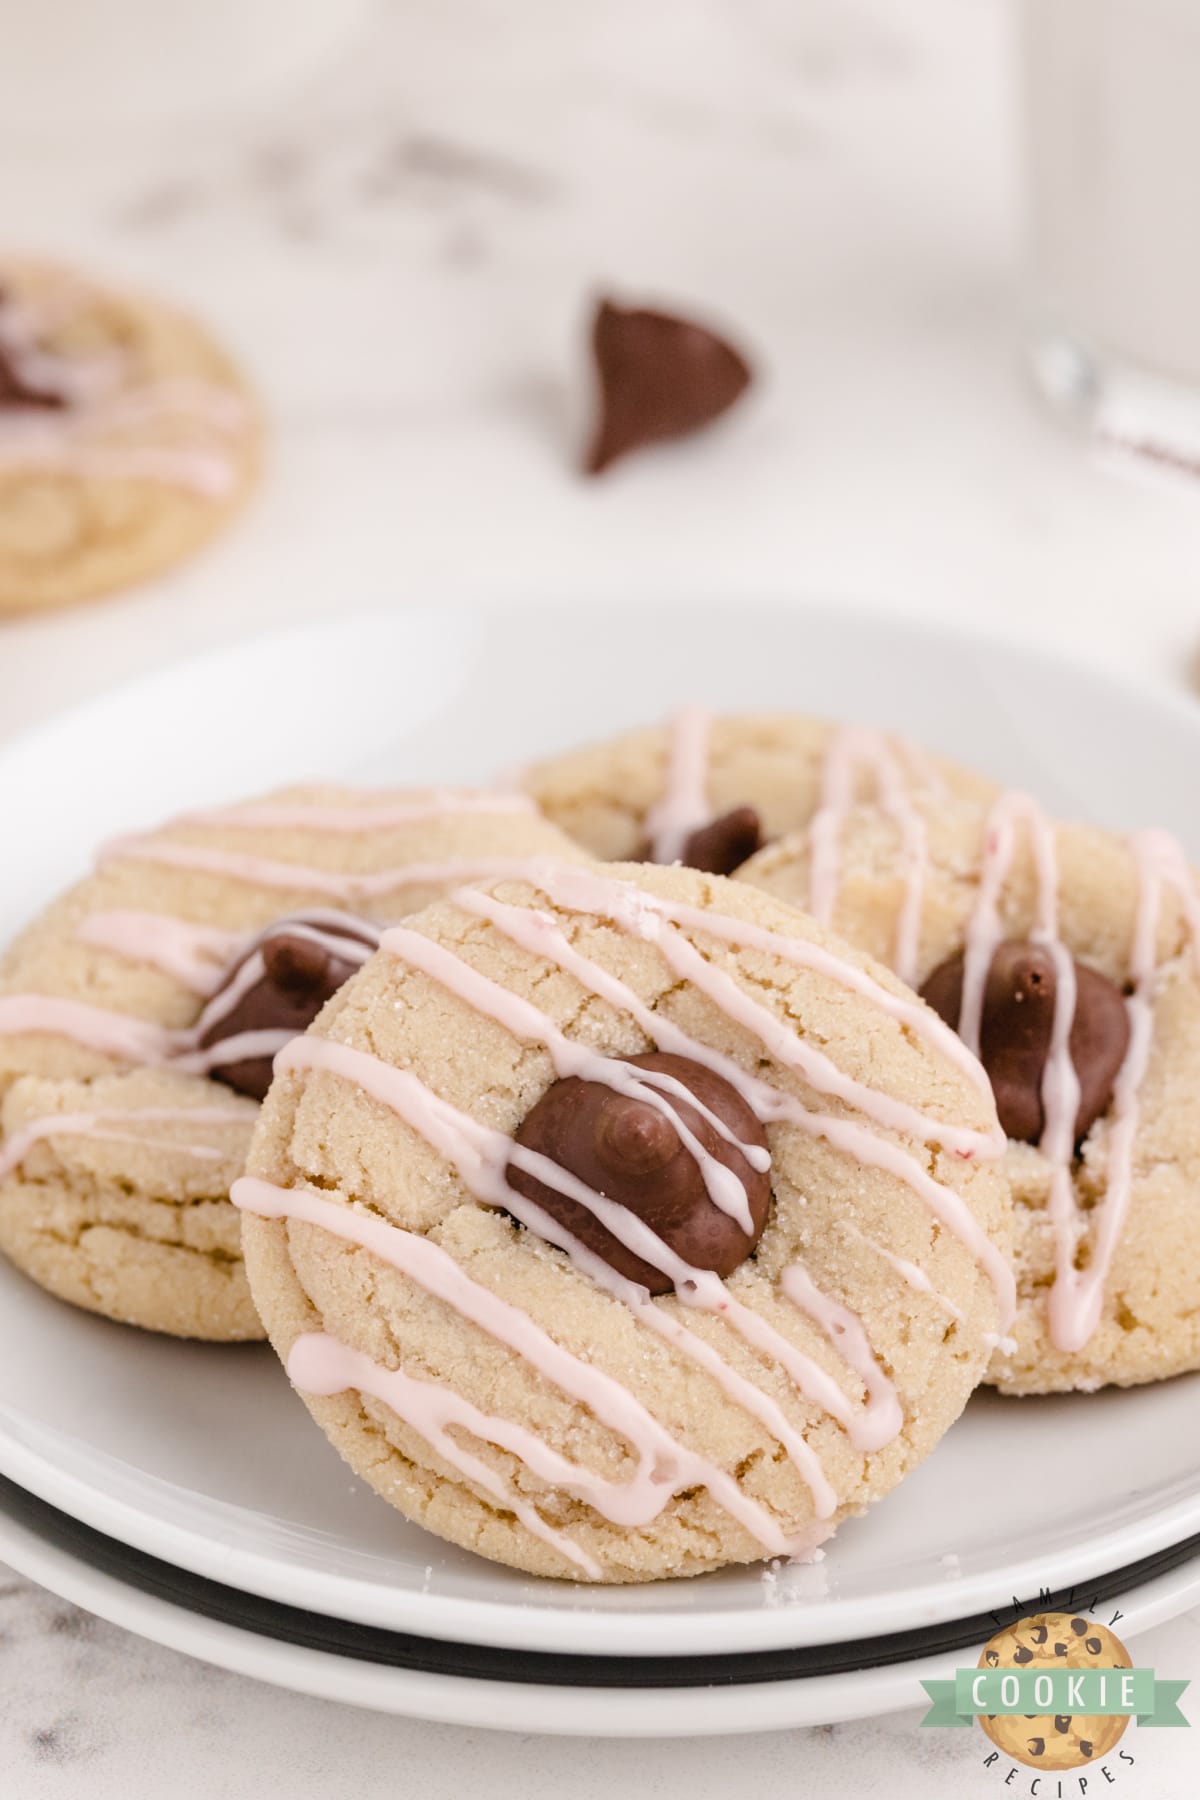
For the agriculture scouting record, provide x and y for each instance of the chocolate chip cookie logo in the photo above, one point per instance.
(1055, 1691)
(1058, 1740)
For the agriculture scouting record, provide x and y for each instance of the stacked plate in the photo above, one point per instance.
(180, 1489)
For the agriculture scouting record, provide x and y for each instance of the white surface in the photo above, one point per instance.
(150, 1451)
(641, 1711)
(141, 60)
(835, 176)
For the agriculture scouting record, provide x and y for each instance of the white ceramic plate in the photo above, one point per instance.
(634, 1711)
(202, 1457)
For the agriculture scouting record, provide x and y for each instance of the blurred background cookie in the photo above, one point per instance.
(127, 437)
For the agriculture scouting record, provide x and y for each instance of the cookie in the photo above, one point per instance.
(139, 1016)
(708, 791)
(617, 1223)
(127, 437)
(1056, 1641)
(1079, 988)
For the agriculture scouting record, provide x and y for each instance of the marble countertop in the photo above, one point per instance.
(403, 248)
(89, 1713)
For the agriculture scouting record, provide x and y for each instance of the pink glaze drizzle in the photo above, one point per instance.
(571, 1058)
(909, 1272)
(482, 1157)
(358, 820)
(683, 805)
(60, 442)
(318, 1364)
(179, 396)
(664, 1465)
(419, 1107)
(985, 929)
(332, 931)
(1077, 1296)
(527, 1021)
(630, 910)
(92, 1027)
(581, 890)
(198, 956)
(849, 750)
(244, 1046)
(789, 1048)
(558, 882)
(1060, 1084)
(262, 871)
(195, 956)
(538, 933)
(188, 951)
(98, 1125)
(882, 1417)
(142, 1041)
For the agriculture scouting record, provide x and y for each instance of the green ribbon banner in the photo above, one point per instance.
(1103, 1693)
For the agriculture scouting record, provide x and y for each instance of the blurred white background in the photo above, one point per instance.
(402, 249)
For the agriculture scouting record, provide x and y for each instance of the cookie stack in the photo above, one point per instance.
(636, 1173)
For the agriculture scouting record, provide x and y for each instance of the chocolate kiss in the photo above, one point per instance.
(724, 844)
(298, 977)
(660, 377)
(721, 846)
(630, 1152)
(1014, 1037)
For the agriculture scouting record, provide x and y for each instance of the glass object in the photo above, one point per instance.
(1112, 115)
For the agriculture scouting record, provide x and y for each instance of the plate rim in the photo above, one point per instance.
(633, 1712)
(287, 1623)
(516, 1625)
(871, 613)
